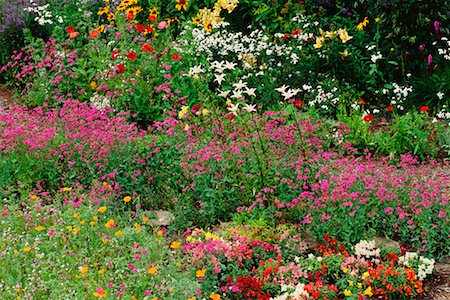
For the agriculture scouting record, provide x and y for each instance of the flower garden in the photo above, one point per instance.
(297, 149)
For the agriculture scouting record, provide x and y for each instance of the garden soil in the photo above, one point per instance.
(436, 288)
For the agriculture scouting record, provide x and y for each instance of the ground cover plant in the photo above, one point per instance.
(299, 149)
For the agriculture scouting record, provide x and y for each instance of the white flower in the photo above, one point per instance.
(224, 94)
(240, 85)
(282, 89)
(249, 108)
(219, 78)
(290, 93)
(229, 65)
(237, 94)
(250, 91)
(233, 108)
(440, 95)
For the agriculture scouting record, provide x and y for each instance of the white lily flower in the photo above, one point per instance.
(240, 85)
(233, 108)
(249, 108)
(219, 78)
(250, 91)
(224, 94)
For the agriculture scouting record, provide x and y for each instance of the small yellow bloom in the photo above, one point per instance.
(95, 218)
(102, 209)
(16, 251)
(343, 35)
(152, 270)
(160, 233)
(118, 233)
(205, 112)
(345, 270)
(104, 241)
(127, 199)
(67, 189)
(319, 42)
(175, 245)
(144, 220)
(82, 222)
(39, 228)
(75, 216)
(200, 273)
(347, 293)
(101, 271)
(359, 285)
(368, 291)
(192, 298)
(92, 223)
(27, 249)
(33, 197)
(350, 283)
(171, 290)
(181, 4)
(365, 275)
(186, 127)
(377, 20)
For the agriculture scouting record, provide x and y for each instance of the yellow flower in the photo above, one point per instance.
(344, 54)
(75, 216)
(350, 283)
(92, 223)
(138, 227)
(347, 293)
(101, 271)
(33, 197)
(27, 249)
(110, 223)
(319, 42)
(66, 189)
(214, 296)
(104, 241)
(82, 222)
(100, 293)
(181, 4)
(368, 291)
(345, 270)
(118, 233)
(102, 209)
(343, 35)
(152, 271)
(365, 275)
(184, 110)
(95, 218)
(192, 298)
(175, 245)
(377, 20)
(363, 24)
(144, 220)
(103, 11)
(330, 34)
(359, 285)
(84, 270)
(200, 273)
(127, 199)
(39, 228)
(205, 112)
(160, 233)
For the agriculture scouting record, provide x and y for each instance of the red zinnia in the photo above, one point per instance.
(115, 54)
(140, 27)
(196, 108)
(152, 18)
(390, 108)
(175, 56)
(120, 68)
(147, 48)
(361, 101)
(70, 29)
(298, 104)
(72, 32)
(424, 108)
(131, 55)
(130, 16)
(368, 118)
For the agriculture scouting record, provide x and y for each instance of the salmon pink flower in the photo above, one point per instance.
(94, 33)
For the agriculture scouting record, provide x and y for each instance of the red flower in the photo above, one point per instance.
(120, 68)
(230, 117)
(152, 18)
(361, 101)
(130, 16)
(115, 54)
(94, 33)
(140, 27)
(149, 29)
(72, 33)
(196, 108)
(131, 55)
(368, 118)
(175, 56)
(389, 108)
(424, 108)
(298, 104)
(147, 48)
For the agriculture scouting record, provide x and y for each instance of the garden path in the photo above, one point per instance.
(438, 288)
